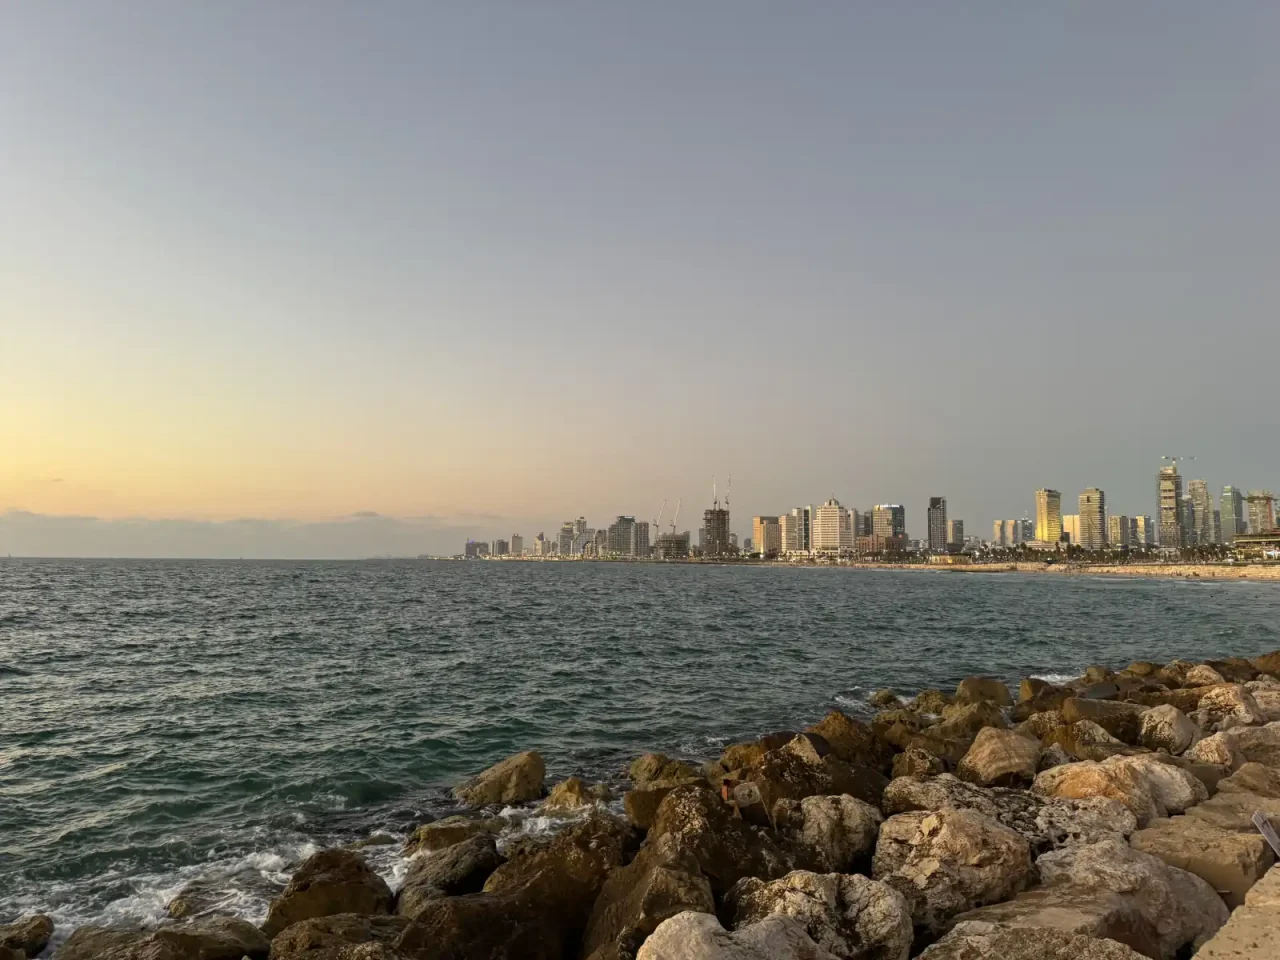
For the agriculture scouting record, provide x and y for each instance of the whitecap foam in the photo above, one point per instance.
(1056, 678)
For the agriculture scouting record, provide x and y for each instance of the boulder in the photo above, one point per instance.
(343, 936)
(1267, 663)
(659, 883)
(1226, 706)
(1000, 758)
(1085, 740)
(1266, 892)
(947, 861)
(969, 718)
(850, 916)
(517, 779)
(894, 726)
(799, 769)
(1105, 690)
(736, 756)
(699, 936)
(1202, 675)
(1097, 674)
(1167, 728)
(642, 803)
(835, 833)
(1219, 749)
(975, 689)
(1044, 822)
(513, 925)
(1017, 944)
(1032, 687)
(456, 870)
(328, 882)
(1180, 908)
(1053, 756)
(1254, 778)
(572, 795)
(657, 766)
(1174, 673)
(1049, 700)
(1229, 862)
(853, 741)
(914, 762)
(1258, 744)
(1173, 788)
(8, 953)
(1093, 779)
(209, 938)
(1234, 811)
(1122, 720)
(1250, 934)
(725, 848)
(930, 702)
(1234, 669)
(883, 699)
(444, 833)
(1043, 723)
(1268, 701)
(1142, 668)
(30, 935)
(942, 740)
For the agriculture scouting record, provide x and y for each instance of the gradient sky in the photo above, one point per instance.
(536, 260)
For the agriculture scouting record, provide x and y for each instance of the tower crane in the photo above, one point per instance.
(677, 516)
(656, 528)
(1175, 460)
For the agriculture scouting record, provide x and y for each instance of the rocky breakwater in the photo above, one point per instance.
(1108, 818)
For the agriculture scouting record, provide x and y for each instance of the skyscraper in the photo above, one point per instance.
(938, 524)
(1262, 511)
(1142, 533)
(1232, 512)
(517, 545)
(831, 530)
(1071, 528)
(1093, 519)
(1001, 533)
(766, 536)
(621, 537)
(1169, 506)
(889, 520)
(1048, 516)
(955, 534)
(1118, 530)
(715, 532)
(1203, 527)
(789, 532)
(565, 540)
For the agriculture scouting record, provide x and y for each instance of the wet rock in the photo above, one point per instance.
(914, 762)
(101, 943)
(698, 936)
(210, 938)
(1255, 778)
(1178, 906)
(661, 882)
(1267, 663)
(517, 779)
(999, 943)
(1122, 720)
(460, 869)
(7, 953)
(1203, 675)
(1032, 687)
(376, 840)
(799, 769)
(444, 833)
(658, 766)
(1000, 758)
(643, 802)
(883, 699)
(737, 756)
(1258, 744)
(725, 848)
(930, 702)
(513, 925)
(1226, 706)
(571, 795)
(1234, 669)
(30, 935)
(850, 916)
(947, 861)
(1089, 778)
(853, 741)
(344, 936)
(834, 832)
(1229, 862)
(1142, 668)
(1097, 674)
(969, 718)
(1167, 728)
(974, 689)
(328, 882)
(1174, 673)
(1107, 690)
(1218, 749)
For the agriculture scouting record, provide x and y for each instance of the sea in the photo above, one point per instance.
(203, 726)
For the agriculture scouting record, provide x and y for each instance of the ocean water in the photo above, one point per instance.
(175, 724)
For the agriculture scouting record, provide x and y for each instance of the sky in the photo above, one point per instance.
(476, 268)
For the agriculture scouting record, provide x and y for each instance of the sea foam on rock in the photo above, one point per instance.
(328, 882)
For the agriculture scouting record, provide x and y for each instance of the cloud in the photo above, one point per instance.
(365, 534)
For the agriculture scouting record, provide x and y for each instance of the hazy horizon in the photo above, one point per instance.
(268, 270)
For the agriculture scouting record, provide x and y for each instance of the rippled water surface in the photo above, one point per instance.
(210, 723)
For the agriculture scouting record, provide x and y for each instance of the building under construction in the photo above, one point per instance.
(672, 546)
(715, 532)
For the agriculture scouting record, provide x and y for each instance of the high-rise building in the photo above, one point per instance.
(1093, 519)
(621, 537)
(565, 540)
(889, 520)
(500, 548)
(789, 532)
(1000, 533)
(867, 520)
(806, 527)
(1203, 525)
(955, 535)
(1118, 531)
(831, 530)
(766, 536)
(1262, 511)
(938, 538)
(1188, 522)
(715, 532)
(640, 545)
(517, 545)
(672, 546)
(1142, 532)
(1048, 516)
(854, 520)
(1071, 528)
(1232, 512)
(1169, 509)
(541, 545)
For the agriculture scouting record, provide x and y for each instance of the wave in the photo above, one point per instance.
(1057, 678)
(8, 671)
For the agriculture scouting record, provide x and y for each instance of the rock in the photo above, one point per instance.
(834, 832)
(853, 741)
(1106, 690)
(699, 936)
(1267, 663)
(1174, 673)
(914, 762)
(1174, 789)
(947, 861)
(444, 833)
(1093, 779)
(1048, 701)
(1268, 701)
(942, 741)
(1234, 811)
(1044, 822)
(930, 702)
(850, 916)
(1122, 720)
(737, 756)
(572, 794)
(725, 848)
(209, 938)
(1202, 675)
(328, 882)
(1218, 749)
(1043, 723)
(1266, 892)
(799, 770)
(1226, 706)
(1250, 934)
(30, 935)
(1032, 687)
(1258, 744)
(375, 840)
(1142, 668)
(1053, 756)
(658, 766)
(7, 953)
(1167, 728)
(1234, 669)
(1180, 908)
(659, 883)
(1253, 778)
(974, 689)
(1000, 758)
(1229, 862)
(894, 726)
(1085, 740)
(456, 870)
(1097, 674)
(517, 779)
(882, 699)
(337, 937)
(1021, 944)
(642, 803)
(969, 718)
(512, 925)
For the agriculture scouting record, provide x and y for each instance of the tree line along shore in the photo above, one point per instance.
(1113, 817)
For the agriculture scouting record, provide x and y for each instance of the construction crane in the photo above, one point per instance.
(727, 487)
(1175, 460)
(657, 529)
(677, 516)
